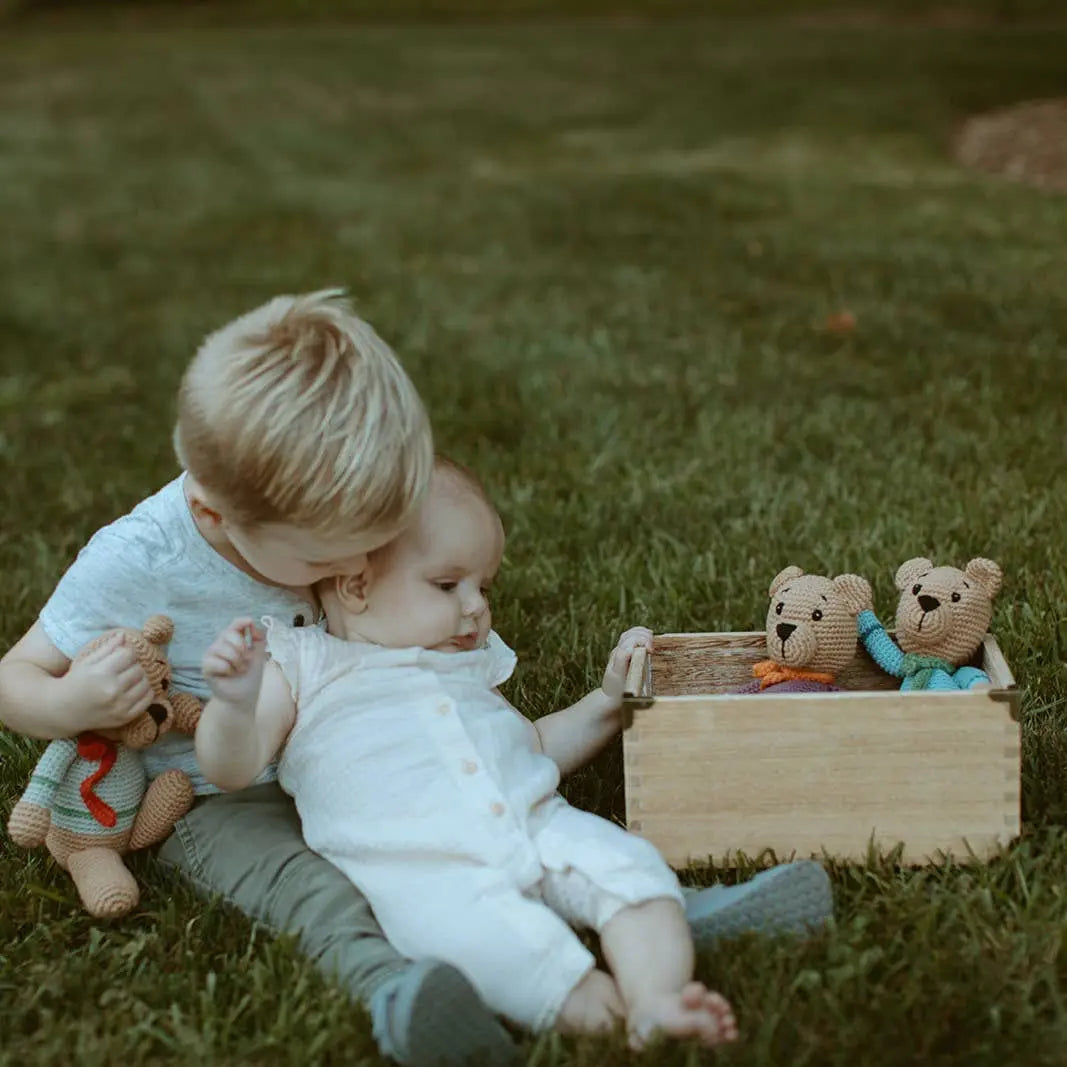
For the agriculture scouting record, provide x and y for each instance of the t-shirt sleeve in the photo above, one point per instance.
(110, 583)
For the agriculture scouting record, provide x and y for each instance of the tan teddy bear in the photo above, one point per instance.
(88, 800)
(942, 617)
(811, 631)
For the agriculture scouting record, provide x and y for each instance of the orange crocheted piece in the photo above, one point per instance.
(97, 749)
(770, 672)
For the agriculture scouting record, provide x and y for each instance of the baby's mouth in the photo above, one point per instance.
(466, 642)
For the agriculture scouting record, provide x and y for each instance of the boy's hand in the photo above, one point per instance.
(233, 665)
(615, 676)
(107, 688)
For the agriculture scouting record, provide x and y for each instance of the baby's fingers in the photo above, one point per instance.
(636, 636)
(222, 662)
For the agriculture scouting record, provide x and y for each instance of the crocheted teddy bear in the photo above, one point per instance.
(942, 616)
(811, 631)
(88, 800)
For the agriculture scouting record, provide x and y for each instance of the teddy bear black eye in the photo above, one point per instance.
(165, 684)
(955, 598)
(915, 589)
(778, 609)
(816, 615)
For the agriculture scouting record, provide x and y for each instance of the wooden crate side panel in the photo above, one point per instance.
(800, 774)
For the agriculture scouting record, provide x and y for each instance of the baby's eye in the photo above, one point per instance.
(955, 598)
(446, 587)
(915, 589)
(778, 607)
(816, 615)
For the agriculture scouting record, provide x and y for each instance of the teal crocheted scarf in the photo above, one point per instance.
(920, 669)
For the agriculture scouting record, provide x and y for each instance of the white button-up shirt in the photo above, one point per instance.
(408, 750)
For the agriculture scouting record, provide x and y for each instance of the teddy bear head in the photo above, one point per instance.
(944, 611)
(811, 622)
(148, 645)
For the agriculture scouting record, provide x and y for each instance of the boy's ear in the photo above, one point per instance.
(351, 590)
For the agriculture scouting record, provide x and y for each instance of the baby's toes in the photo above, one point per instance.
(718, 1007)
(694, 995)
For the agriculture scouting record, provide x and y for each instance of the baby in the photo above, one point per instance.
(416, 778)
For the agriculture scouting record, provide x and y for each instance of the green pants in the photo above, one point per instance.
(247, 848)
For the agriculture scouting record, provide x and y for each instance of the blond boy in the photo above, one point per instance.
(304, 446)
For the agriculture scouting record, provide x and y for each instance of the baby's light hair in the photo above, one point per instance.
(461, 477)
(299, 413)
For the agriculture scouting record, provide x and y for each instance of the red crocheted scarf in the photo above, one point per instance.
(98, 749)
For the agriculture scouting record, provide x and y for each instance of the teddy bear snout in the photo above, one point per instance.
(784, 630)
(929, 603)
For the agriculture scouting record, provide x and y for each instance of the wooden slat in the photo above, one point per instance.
(995, 665)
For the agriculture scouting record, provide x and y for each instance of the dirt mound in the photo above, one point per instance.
(1025, 143)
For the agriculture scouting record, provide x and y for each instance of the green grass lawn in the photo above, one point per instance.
(605, 252)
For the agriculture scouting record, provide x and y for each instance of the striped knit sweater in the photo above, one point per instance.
(95, 792)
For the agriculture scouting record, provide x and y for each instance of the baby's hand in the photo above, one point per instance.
(233, 665)
(107, 688)
(614, 682)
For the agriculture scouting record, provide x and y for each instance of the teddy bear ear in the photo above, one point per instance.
(908, 572)
(854, 591)
(159, 629)
(782, 577)
(986, 574)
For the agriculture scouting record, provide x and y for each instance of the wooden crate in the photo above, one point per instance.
(710, 773)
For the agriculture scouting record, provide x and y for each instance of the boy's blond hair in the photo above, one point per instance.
(299, 413)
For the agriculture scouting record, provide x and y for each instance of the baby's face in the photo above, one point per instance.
(431, 587)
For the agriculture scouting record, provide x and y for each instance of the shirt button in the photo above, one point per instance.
(444, 708)
(497, 808)
(469, 766)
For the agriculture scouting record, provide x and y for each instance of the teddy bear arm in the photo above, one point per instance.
(882, 648)
(969, 677)
(187, 711)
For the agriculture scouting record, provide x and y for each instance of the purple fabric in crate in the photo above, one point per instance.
(795, 686)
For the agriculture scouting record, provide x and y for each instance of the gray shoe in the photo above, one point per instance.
(429, 1015)
(792, 898)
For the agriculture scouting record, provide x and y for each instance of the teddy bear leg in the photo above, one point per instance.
(106, 887)
(167, 799)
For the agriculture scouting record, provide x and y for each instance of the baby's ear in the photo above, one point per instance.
(350, 589)
(782, 577)
(908, 572)
(855, 592)
(986, 575)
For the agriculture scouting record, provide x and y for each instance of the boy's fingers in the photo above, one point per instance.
(140, 687)
(119, 658)
(110, 642)
(131, 676)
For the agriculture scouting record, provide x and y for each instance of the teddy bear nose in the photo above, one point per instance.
(928, 603)
(158, 713)
(784, 629)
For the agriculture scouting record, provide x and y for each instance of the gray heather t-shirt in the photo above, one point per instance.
(155, 561)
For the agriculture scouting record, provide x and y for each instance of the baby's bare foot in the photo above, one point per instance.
(694, 1012)
(594, 1006)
